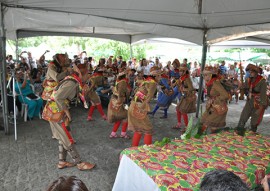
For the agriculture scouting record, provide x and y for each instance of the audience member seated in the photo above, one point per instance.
(104, 92)
(27, 96)
(67, 183)
(222, 180)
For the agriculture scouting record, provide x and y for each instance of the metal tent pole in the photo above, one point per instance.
(3, 69)
(204, 52)
(17, 50)
(131, 51)
(14, 104)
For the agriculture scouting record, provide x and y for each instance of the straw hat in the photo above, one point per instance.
(210, 70)
(82, 66)
(154, 71)
(253, 68)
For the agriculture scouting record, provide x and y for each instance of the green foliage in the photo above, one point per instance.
(261, 50)
(93, 46)
(193, 131)
(257, 50)
(164, 141)
(231, 50)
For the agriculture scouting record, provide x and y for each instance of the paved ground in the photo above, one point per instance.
(30, 163)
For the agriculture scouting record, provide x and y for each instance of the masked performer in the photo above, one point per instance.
(138, 120)
(116, 111)
(256, 100)
(58, 69)
(57, 113)
(187, 103)
(215, 114)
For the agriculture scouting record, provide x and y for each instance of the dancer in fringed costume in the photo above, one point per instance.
(187, 103)
(117, 113)
(138, 120)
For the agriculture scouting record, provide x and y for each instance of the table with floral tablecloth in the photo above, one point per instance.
(181, 164)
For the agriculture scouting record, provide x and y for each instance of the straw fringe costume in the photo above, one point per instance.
(94, 81)
(144, 125)
(63, 93)
(187, 103)
(116, 111)
(53, 77)
(138, 120)
(256, 103)
(216, 106)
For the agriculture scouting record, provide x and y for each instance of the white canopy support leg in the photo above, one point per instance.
(3, 69)
(204, 53)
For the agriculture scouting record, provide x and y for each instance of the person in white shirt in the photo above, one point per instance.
(195, 80)
(31, 61)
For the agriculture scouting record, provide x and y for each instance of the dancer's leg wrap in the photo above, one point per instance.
(73, 153)
(62, 153)
(136, 139)
(178, 117)
(147, 139)
(124, 128)
(116, 126)
(100, 109)
(91, 111)
(185, 117)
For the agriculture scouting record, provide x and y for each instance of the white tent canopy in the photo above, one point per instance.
(132, 20)
(203, 22)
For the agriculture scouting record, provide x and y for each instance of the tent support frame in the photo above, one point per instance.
(204, 54)
(3, 69)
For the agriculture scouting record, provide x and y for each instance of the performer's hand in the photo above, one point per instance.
(264, 183)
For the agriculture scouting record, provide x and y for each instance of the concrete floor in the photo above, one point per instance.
(30, 162)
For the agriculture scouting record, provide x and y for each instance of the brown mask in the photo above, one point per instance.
(62, 59)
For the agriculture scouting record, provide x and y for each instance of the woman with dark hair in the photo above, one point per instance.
(116, 111)
(101, 63)
(138, 120)
(67, 183)
(215, 114)
(187, 103)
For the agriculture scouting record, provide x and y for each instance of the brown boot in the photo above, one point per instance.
(83, 166)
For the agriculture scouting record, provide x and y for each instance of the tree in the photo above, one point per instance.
(261, 50)
(94, 47)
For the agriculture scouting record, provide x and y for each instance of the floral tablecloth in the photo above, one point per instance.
(181, 164)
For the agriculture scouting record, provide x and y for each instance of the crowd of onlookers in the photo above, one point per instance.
(138, 69)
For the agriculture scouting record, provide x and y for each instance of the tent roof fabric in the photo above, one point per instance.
(137, 19)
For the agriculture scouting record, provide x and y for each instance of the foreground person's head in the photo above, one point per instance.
(67, 183)
(222, 180)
